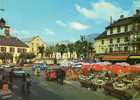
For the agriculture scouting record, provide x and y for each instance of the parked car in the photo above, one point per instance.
(5, 66)
(42, 66)
(18, 72)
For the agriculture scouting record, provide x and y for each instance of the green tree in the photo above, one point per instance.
(50, 50)
(23, 57)
(6, 56)
(83, 47)
(71, 48)
(41, 50)
(62, 48)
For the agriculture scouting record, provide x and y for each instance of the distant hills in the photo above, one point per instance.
(91, 37)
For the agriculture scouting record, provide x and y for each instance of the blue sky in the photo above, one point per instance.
(55, 20)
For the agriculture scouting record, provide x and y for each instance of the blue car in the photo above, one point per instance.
(42, 66)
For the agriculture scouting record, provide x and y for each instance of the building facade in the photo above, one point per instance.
(34, 44)
(12, 45)
(122, 37)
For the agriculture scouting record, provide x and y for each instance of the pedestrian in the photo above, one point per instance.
(62, 76)
(28, 83)
(1, 80)
(23, 83)
(11, 75)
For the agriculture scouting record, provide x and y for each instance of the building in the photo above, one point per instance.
(34, 43)
(120, 40)
(12, 45)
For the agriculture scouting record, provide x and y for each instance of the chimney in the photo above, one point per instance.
(137, 12)
(7, 30)
(122, 16)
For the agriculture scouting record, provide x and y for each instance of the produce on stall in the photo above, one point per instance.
(120, 80)
(72, 73)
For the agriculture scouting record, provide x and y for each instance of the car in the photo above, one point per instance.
(18, 72)
(5, 66)
(42, 66)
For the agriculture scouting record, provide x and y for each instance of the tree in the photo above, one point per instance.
(6, 56)
(83, 47)
(49, 51)
(41, 50)
(24, 56)
(71, 48)
(62, 48)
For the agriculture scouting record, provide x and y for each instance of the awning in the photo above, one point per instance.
(134, 57)
(112, 58)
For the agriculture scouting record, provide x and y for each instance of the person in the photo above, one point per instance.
(1, 80)
(28, 83)
(23, 82)
(60, 76)
(11, 75)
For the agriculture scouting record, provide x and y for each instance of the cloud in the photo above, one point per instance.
(73, 25)
(101, 10)
(78, 26)
(61, 23)
(86, 12)
(49, 32)
(21, 33)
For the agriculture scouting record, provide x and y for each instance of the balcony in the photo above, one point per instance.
(135, 52)
(120, 52)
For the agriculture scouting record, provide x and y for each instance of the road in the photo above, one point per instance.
(70, 92)
(48, 90)
(37, 92)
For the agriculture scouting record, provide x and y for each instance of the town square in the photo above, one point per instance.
(69, 49)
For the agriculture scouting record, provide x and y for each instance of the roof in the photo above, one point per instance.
(125, 21)
(101, 36)
(104, 35)
(11, 41)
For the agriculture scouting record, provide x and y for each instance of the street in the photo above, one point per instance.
(42, 90)
(37, 92)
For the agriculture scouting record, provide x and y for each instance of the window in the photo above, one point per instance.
(118, 40)
(126, 48)
(12, 49)
(102, 41)
(111, 40)
(118, 29)
(119, 48)
(19, 50)
(110, 49)
(32, 49)
(126, 28)
(24, 50)
(3, 49)
(126, 39)
(111, 31)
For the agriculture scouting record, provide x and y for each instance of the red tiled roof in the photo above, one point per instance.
(11, 41)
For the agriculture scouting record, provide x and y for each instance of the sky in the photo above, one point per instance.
(56, 20)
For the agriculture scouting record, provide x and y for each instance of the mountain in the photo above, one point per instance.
(91, 37)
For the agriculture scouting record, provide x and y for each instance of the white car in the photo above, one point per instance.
(5, 66)
(18, 72)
